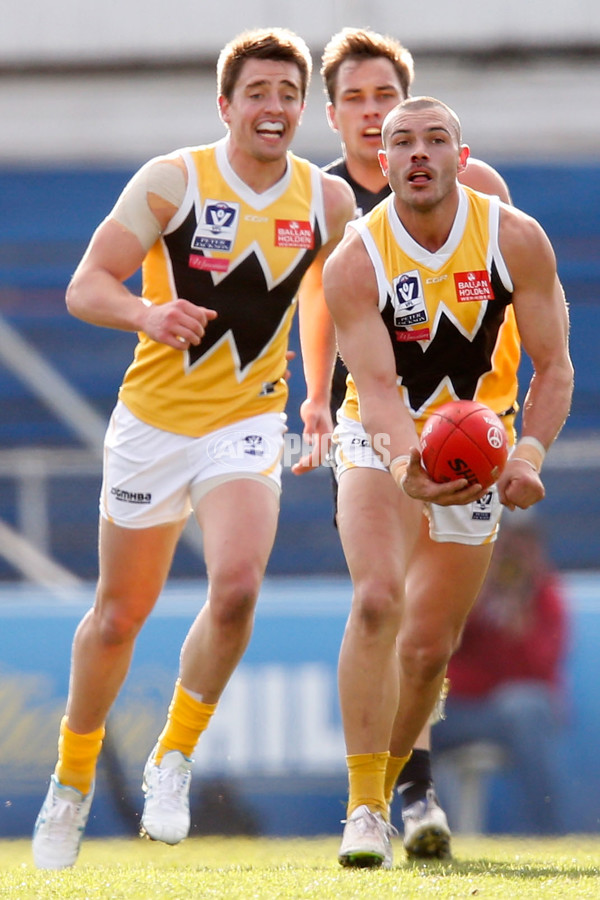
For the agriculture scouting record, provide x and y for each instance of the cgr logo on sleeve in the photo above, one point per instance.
(217, 227)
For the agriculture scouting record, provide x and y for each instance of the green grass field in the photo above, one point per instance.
(304, 869)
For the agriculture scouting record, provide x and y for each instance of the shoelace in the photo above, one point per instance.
(170, 785)
(368, 821)
(63, 814)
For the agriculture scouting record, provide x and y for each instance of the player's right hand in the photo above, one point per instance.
(416, 483)
(178, 323)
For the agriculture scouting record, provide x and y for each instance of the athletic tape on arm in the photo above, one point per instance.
(165, 179)
(531, 451)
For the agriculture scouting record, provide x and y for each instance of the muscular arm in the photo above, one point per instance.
(543, 323)
(96, 292)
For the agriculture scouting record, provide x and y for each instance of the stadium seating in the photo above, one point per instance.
(49, 216)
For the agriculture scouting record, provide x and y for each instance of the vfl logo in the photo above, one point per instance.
(407, 290)
(217, 227)
(408, 300)
(254, 445)
(219, 216)
(482, 508)
(242, 451)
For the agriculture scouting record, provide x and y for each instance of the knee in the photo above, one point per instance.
(116, 625)
(376, 605)
(233, 597)
(423, 658)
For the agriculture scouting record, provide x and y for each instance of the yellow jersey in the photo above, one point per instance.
(242, 254)
(449, 314)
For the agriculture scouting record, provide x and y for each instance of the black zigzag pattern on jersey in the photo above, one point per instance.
(450, 354)
(246, 306)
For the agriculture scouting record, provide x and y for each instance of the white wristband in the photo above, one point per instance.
(531, 450)
(533, 441)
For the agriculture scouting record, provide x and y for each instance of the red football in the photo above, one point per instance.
(464, 439)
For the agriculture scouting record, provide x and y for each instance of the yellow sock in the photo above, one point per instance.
(395, 764)
(186, 721)
(77, 757)
(366, 777)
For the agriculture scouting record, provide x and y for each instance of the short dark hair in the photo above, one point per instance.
(262, 43)
(424, 103)
(362, 43)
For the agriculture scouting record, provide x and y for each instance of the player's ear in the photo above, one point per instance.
(331, 118)
(223, 107)
(463, 156)
(383, 162)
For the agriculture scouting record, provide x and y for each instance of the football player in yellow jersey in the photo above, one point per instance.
(365, 75)
(224, 234)
(418, 551)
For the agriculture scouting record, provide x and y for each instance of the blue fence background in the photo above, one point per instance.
(275, 746)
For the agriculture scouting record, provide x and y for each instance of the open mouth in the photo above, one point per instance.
(372, 132)
(275, 129)
(419, 176)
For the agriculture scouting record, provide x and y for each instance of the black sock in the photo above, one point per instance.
(415, 778)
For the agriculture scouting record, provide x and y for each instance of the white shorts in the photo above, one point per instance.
(153, 477)
(475, 523)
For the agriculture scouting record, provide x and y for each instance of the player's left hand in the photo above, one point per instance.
(520, 485)
(420, 486)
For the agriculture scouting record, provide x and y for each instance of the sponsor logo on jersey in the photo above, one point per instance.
(408, 300)
(294, 233)
(473, 286)
(131, 496)
(208, 263)
(417, 334)
(217, 227)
